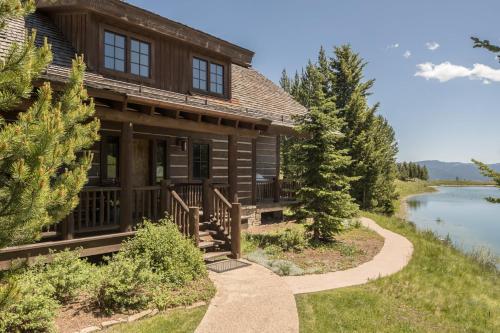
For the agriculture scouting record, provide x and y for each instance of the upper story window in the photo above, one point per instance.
(139, 58)
(114, 51)
(217, 78)
(208, 76)
(199, 74)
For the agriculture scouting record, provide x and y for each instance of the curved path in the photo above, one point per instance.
(254, 299)
(395, 254)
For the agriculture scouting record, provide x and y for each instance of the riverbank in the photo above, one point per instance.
(406, 190)
(441, 290)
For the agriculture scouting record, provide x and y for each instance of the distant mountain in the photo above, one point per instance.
(452, 170)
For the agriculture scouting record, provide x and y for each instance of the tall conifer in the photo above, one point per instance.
(42, 167)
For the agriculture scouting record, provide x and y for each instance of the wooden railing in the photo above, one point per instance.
(288, 189)
(227, 216)
(191, 194)
(99, 209)
(147, 204)
(265, 190)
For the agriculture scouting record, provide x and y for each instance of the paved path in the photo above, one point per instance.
(253, 299)
(250, 299)
(395, 254)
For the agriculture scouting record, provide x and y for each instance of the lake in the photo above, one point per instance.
(460, 212)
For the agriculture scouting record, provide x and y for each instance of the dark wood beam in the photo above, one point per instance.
(126, 160)
(232, 147)
(166, 122)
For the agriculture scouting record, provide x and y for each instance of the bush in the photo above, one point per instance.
(123, 284)
(67, 273)
(290, 239)
(174, 258)
(33, 308)
(167, 297)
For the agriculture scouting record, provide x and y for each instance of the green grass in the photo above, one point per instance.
(441, 290)
(413, 187)
(175, 321)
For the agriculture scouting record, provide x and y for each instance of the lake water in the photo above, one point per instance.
(460, 212)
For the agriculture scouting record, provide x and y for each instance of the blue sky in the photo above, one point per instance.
(450, 112)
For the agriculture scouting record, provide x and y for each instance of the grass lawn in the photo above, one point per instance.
(441, 290)
(175, 321)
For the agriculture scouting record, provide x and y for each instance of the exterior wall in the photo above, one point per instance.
(244, 171)
(170, 60)
(267, 157)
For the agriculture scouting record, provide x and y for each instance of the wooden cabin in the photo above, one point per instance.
(188, 127)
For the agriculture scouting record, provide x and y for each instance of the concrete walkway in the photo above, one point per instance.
(395, 254)
(254, 299)
(250, 299)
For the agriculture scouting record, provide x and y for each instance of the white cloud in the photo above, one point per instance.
(393, 46)
(447, 71)
(432, 46)
(407, 54)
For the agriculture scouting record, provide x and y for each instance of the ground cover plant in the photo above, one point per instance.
(158, 268)
(287, 250)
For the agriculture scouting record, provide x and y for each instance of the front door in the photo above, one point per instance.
(142, 169)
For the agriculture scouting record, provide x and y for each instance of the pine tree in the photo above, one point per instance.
(42, 161)
(324, 195)
(368, 137)
(490, 173)
(285, 82)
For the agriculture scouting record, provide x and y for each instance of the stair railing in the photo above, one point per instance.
(227, 216)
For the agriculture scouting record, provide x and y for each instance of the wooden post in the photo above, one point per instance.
(194, 224)
(232, 147)
(165, 197)
(254, 171)
(236, 230)
(207, 200)
(277, 187)
(126, 173)
(68, 227)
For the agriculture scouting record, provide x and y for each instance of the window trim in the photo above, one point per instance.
(191, 143)
(128, 40)
(226, 76)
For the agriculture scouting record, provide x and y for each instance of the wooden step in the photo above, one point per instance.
(212, 243)
(214, 255)
(208, 233)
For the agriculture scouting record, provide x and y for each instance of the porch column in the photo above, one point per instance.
(232, 147)
(126, 168)
(277, 187)
(254, 171)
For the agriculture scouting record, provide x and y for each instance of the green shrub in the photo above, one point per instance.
(32, 307)
(168, 296)
(290, 239)
(67, 273)
(174, 258)
(123, 284)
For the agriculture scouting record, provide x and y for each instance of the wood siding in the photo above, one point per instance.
(267, 156)
(170, 59)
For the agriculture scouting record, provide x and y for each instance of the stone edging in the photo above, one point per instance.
(136, 316)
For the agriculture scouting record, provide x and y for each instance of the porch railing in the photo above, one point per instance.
(272, 190)
(227, 216)
(191, 194)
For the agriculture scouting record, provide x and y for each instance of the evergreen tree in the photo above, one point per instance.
(324, 195)
(42, 167)
(490, 173)
(285, 82)
(368, 137)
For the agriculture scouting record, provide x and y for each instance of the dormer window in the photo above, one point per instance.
(208, 77)
(139, 58)
(114, 51)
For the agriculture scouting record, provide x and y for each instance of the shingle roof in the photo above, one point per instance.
(253, 95)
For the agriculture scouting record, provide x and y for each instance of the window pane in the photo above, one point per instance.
(120, 65)
(144, 60)
(120, 41)
(203, 65)
(203, 85)
(119, 53)
(145, 71)
(196, 84)
(134, 46)
(109, 38)
(109, 63)
(134, 69)
(134, 57)
(220, 70)
(213, 87)
(109, 51)
(145, 48)
(196, 63)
